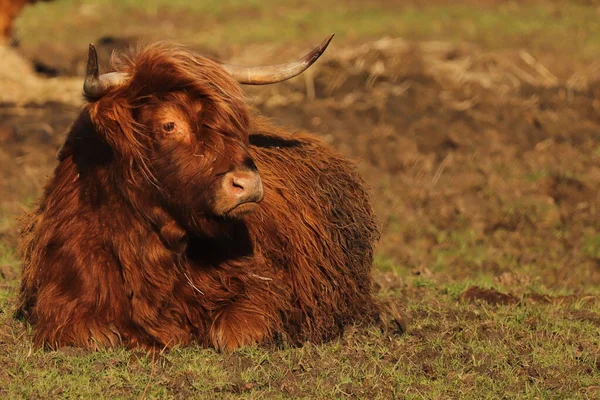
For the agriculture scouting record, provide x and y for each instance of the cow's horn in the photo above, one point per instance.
(94, 85)
(276, 73)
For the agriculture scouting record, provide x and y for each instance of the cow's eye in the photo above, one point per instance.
(169, 126)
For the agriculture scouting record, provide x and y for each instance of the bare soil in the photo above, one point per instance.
(460, 147)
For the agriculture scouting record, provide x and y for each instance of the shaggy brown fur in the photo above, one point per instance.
(123, 248)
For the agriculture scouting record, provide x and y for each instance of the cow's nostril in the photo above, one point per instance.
(240, 187)
(237, 184)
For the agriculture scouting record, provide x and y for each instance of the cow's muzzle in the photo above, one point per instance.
(242, 190)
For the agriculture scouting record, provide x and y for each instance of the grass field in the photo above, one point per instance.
(562, 34)
(568, 28)
(480, 139)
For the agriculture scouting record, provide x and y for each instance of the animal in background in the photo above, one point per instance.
(9, 11)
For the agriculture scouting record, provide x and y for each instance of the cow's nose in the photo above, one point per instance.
(244, 186)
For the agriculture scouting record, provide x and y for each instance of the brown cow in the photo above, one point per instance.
(176, 215)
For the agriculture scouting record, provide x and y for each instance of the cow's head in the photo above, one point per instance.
(179, 122)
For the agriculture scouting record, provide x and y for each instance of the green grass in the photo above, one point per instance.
(573, 28)
(453, 349)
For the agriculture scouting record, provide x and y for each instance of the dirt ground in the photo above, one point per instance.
(459, 147)
(484, 167)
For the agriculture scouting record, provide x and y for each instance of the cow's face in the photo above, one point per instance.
(199, 156)
(179, 122)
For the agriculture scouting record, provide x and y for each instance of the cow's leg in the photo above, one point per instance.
(244, 323)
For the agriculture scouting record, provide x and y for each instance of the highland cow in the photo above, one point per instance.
(178, 215)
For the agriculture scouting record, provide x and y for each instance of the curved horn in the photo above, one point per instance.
(275, 73)
(94, 85)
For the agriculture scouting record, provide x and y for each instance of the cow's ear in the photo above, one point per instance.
(84, 141)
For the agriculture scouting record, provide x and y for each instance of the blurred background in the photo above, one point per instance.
(476, 124)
